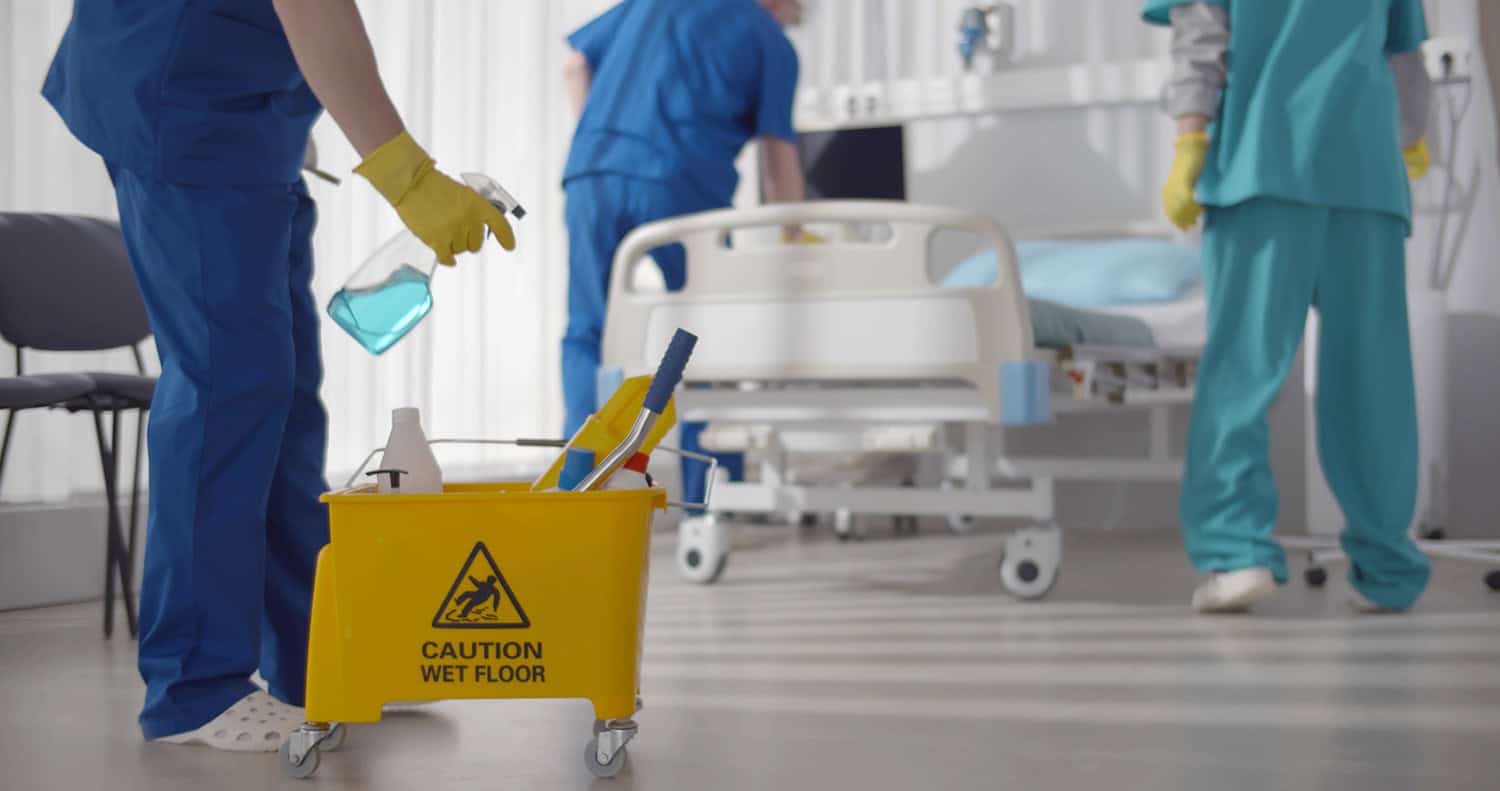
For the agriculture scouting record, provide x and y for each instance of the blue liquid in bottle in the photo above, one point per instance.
(382, 314)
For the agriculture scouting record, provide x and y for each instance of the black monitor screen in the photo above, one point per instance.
(855, 164)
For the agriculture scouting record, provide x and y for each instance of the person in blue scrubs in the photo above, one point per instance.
(1293, 116)
(201, 112)
(668, 93)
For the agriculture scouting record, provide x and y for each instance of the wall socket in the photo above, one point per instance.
(1450, 57)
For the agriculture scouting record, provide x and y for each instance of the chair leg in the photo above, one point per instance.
(135, 499)
(107, 465)
(10, 417)
(115, 551)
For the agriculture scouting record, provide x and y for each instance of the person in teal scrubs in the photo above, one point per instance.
(1292, 119)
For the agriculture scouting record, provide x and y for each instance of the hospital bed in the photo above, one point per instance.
(855, 348)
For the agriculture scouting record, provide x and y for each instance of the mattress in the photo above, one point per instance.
(1182, 323)
(1054, 326)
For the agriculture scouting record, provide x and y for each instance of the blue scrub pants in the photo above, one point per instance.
(601, 210)
(237, 439)
(1265, 263)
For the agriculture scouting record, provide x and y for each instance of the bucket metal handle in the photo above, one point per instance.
(708, 490)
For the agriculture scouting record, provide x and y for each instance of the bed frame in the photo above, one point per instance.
(851, 348)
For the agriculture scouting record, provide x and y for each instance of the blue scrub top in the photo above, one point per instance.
(679, 87)
(184, 91)
(1309, 111)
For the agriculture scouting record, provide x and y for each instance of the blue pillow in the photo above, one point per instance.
(1093, 274)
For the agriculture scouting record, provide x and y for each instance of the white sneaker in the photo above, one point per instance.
(1234, 591)
(1363, 606)
(258, 723)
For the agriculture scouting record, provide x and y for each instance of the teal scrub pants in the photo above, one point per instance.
(1265, 263)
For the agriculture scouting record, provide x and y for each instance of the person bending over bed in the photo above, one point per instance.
(1291, 135)
(668, 92)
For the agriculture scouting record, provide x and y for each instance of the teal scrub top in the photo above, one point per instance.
(679, 87)
(197, 92)
(1309, 110)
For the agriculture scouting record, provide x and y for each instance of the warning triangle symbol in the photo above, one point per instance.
(480, 598)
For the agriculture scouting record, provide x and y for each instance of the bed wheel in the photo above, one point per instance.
(1315, 576)
(843, 525)
(702, 549)
(958, 524)
(1032, 557)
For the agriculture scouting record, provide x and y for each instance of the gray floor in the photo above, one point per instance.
(890, 664)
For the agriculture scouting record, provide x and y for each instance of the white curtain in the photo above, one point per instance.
(478, 83)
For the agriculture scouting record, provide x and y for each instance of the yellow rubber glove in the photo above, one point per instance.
(1177, 196)
(1418, 159)
(447, 216)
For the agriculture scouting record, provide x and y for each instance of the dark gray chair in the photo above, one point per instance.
(66, 286)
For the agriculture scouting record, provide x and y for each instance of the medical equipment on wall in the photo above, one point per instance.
(988, 29)
(1457, 94)
(407, 461)
(390, 293)
(850, 349)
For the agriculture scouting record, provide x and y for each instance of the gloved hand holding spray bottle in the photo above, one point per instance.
(390, 294)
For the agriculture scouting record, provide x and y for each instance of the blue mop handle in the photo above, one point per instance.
(669, 372)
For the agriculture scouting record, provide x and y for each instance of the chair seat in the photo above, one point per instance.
(133, 388)
(39, 390)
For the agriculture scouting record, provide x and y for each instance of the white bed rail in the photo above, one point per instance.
(842, 311)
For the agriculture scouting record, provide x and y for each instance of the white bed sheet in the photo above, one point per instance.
(1182, 323)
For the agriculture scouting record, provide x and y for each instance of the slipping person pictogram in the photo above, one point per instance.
(483, 592)
(480, 598)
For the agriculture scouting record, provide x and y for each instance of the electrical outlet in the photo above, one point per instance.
(1450, 57)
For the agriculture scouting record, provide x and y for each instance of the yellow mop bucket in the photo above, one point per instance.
(484, 591)
(487, 590)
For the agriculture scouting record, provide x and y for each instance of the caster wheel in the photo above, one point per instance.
(959, 524)
(335, 739)
(702, 549)
(1315, 576)
(1492, 581)
(1030, 565)
(697, 566)
(591, 760)
(297, 771)
(843, 525)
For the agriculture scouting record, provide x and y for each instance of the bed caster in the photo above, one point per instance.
(1032, 556)
(843, 525)
(958, 524)
(300, 752)
(1492, 581)
(1315, 576)
(605, 753)
(702, 549)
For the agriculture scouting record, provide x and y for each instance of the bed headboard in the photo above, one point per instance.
(846, 310)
